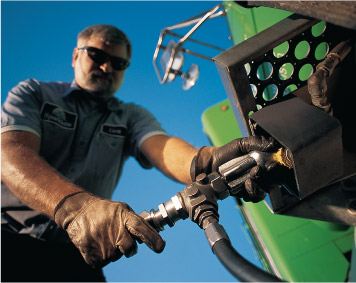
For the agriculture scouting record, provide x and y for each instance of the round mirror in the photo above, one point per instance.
(190, 78)
(177, 63)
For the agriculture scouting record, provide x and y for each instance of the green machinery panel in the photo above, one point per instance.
(296, 249)
(246, 22)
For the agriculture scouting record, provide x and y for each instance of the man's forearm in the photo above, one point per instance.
(177, 158)
(28, 176)
(171, 155)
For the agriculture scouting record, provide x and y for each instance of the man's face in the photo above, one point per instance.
(101, 80)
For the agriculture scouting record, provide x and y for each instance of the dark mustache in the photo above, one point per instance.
(99, 73)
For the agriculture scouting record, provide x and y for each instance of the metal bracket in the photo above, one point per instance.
(175, 50)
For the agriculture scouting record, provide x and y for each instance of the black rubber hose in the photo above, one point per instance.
(238, 266)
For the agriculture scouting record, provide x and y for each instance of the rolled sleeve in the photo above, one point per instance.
(150, 134)
(19, 128)
(21, 109)
(143, 126)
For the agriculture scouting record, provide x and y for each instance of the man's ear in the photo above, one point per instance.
(75, 56)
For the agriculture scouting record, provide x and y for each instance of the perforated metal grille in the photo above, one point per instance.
(287, 67)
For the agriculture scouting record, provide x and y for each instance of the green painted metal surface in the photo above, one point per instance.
(246, 22)
(220, 133)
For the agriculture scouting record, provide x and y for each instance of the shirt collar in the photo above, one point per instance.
(113, 103)
(73, 87)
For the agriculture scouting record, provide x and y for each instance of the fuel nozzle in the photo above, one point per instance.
(167, 214)
(198, 201)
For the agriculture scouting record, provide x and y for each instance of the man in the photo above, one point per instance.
(63, 149)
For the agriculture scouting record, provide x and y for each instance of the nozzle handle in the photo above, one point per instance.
(236, 171)
(236, 167)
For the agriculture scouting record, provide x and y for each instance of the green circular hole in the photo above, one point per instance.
(318, 29)
(289, 89)
(302, 50)
(270, 92)
(285, 71)
(305, 72)
(264, 71)
(281, 50)
(247, 68)
(254, 89)
(321, 50)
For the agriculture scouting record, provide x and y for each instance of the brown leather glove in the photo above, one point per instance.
(104, 230)
(209, 159)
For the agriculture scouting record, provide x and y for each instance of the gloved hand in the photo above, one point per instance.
(104, 230)
(209, 159)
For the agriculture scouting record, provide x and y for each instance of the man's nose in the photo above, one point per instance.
(106, 67)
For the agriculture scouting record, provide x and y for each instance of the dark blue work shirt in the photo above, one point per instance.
(86, 140)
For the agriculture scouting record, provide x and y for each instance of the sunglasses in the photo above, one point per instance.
(100, 57)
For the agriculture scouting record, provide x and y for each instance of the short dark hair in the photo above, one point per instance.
(107, 33)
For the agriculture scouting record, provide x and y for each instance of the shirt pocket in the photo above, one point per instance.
(56, 142)
(109, 149)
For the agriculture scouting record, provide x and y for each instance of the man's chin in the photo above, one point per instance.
(102, 90)
(102, 94)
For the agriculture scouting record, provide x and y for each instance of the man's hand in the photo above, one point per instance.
(209, 159)
(104, 230)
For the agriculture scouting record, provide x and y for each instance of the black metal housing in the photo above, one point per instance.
(323, 147)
